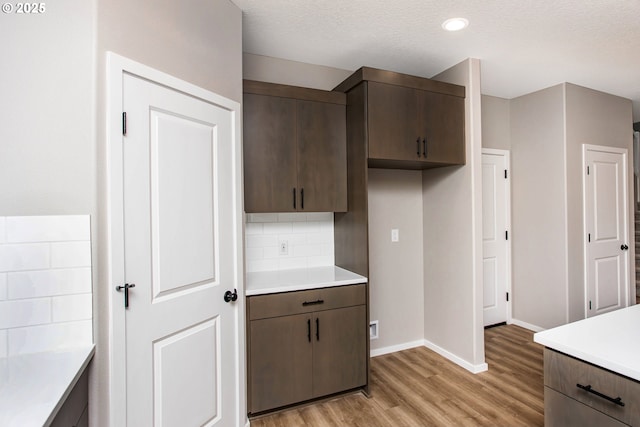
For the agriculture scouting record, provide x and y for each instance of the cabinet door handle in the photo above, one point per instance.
(294, 198)
(302, 198)
(317, 329)
(424, 147)
(309, 329)
(618, 400)
(418, 146)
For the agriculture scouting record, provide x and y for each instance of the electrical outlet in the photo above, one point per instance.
(373, 330)
(284, 247)
(395, 235)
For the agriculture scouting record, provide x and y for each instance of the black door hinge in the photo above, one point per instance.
(587, 170)
(505, 174)
(507, 296)
(589, 305)
(124, 123)
(589, 237)
(506, 235)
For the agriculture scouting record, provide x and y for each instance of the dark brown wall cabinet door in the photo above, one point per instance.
(442, 127)
(280, 361)
(269, 145)
(339, 349)
(393, 122)
(322, 157)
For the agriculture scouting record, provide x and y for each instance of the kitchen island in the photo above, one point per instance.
(592, 370)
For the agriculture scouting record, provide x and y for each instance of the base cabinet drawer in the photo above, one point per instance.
(563, 411)
(593, 386)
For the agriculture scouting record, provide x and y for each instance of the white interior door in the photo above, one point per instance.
(181, 364)
(606, 245)
(495, 243)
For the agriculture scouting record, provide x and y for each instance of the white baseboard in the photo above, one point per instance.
(526, 325)
(394, 348)
(475, 369)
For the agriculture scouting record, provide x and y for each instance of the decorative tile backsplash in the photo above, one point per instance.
(307, 239)
(45, 283)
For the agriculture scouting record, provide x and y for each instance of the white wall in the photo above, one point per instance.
(453, 238)
(47, 147)
(199, 42)
(539, 211)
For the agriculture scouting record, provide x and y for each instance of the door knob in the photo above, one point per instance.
(126, 288)
(624, 247)
(230, 296)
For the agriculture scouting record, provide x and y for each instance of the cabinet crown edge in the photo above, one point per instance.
(294, 92)
(399, 79)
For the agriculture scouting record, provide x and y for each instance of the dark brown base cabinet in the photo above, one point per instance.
(579, 394)
(305, 345)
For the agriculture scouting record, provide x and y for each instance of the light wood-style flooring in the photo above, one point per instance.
(417, 387)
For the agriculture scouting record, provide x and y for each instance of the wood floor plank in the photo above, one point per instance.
(418, 387)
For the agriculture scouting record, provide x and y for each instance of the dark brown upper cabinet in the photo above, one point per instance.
(410, 122)
(294, 146)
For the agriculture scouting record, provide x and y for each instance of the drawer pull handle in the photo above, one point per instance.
(316, 302)
(618, 400)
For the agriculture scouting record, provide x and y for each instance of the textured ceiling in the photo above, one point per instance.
(523, 45)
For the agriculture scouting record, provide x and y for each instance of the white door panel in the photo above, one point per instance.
(179, 254)
(606, 255)
(495, 224)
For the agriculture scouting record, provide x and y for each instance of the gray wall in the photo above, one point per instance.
(199, 42)
(539, 211)
(548, 130)
(496, 129)
(452, 206)
(596, 118)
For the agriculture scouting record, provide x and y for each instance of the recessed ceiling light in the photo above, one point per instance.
(455, 24)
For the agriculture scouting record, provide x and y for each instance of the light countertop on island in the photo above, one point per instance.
(33, 387)
(610, 340)
(269, 282)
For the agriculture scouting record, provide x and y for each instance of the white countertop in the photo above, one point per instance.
(33, 387)
(610, 340)
(269, 282)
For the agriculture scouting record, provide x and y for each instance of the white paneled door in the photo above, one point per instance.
(495, 243)
(606, 229)
(178, 170)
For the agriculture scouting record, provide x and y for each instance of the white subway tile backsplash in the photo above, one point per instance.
(292, 217)
(253, 228)
(70, 254)
(262, 217)
(71, 307)
(309, 238)
(26, 312)
(45, 277)
(3, 343)
(277, 228)
(54, 336)
(3, 286)
(261, 240)
(43, 283)
(20, 257)
(23, 229)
